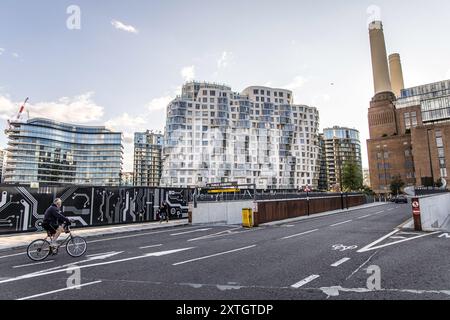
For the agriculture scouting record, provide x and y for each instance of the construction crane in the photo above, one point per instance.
(19, 114)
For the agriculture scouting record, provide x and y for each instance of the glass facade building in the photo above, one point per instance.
(258, 136)
(342, 146)
(434, 99)
(55, 153)
(148, 148)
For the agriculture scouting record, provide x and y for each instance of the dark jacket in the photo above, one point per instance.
(53, 216)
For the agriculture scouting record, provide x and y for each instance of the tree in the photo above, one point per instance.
(397, 184)
(352, 178)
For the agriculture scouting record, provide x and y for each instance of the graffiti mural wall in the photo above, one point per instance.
(22, 209)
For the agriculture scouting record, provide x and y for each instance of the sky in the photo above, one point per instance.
(119, 63)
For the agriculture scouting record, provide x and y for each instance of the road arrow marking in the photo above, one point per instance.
(75, 267)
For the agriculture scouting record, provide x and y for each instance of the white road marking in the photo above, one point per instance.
(398, 237)
(60, 290)
(219, 234)
(445, 235)
(378, 212)
(153, 246)
(372, 246)
(361, 265)
(390, 209)
(337, 224)
(334, 291)
(33, 264)
(299, 234)
(305, 281)
(137, 235)
(214, 255)
(99, 254)
(367, 215)
(12, 255)
(73, 267)
(338, 263)
(186, 232)
(104, 256)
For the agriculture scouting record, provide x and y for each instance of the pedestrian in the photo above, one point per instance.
(161, 210)
(166, 211)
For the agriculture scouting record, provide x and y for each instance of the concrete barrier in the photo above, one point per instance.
(228, 212)
(435, 212)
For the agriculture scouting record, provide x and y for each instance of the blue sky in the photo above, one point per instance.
(130, 57)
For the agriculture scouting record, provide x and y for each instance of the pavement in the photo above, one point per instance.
(356, 255)
(22, 240)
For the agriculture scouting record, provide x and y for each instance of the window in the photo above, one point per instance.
(407, 121)
(256, 91)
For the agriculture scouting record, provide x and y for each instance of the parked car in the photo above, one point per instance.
(401, 199)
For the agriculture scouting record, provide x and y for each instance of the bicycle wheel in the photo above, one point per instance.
(38, 250)
(76, 247)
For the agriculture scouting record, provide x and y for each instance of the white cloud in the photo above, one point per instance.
(121, 26)
(188, 73)
(295, 84)
(79, 109)
(1, 51)
(15, 55)
(160, 103)
(225, 60)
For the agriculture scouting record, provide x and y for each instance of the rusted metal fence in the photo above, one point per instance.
(275, 210)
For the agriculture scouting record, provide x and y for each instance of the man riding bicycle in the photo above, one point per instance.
(54, 221)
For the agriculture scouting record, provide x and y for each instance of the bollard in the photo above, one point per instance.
(416, 214)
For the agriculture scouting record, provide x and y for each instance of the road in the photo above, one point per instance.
(325, 257)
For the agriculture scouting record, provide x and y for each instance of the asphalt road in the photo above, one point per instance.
(320, 258)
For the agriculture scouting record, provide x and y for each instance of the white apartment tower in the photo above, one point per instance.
(255, 137)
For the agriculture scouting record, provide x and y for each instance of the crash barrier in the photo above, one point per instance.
(275, 210)
(431, 213)
(22, 208)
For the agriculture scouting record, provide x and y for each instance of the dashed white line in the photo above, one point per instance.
(186, 232)
(390, 209)
(12, 255)
(214, 255)
(337, 224)
(33, 264)
(338, 263)
(367, 215)
(305, 281)
(152, 246)
(378, 212)
(300, 234)
(60, 290)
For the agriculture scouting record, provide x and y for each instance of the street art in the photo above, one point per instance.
(22, 209)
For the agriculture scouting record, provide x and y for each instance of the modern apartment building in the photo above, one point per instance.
(409, 128)
(53, 153)
(148, 148)
(2, 164)
(342, 146)
(259, 136)
(127, 179)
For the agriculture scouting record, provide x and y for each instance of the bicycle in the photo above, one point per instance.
(40, 249)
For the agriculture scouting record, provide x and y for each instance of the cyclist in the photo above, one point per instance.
(54, 221)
